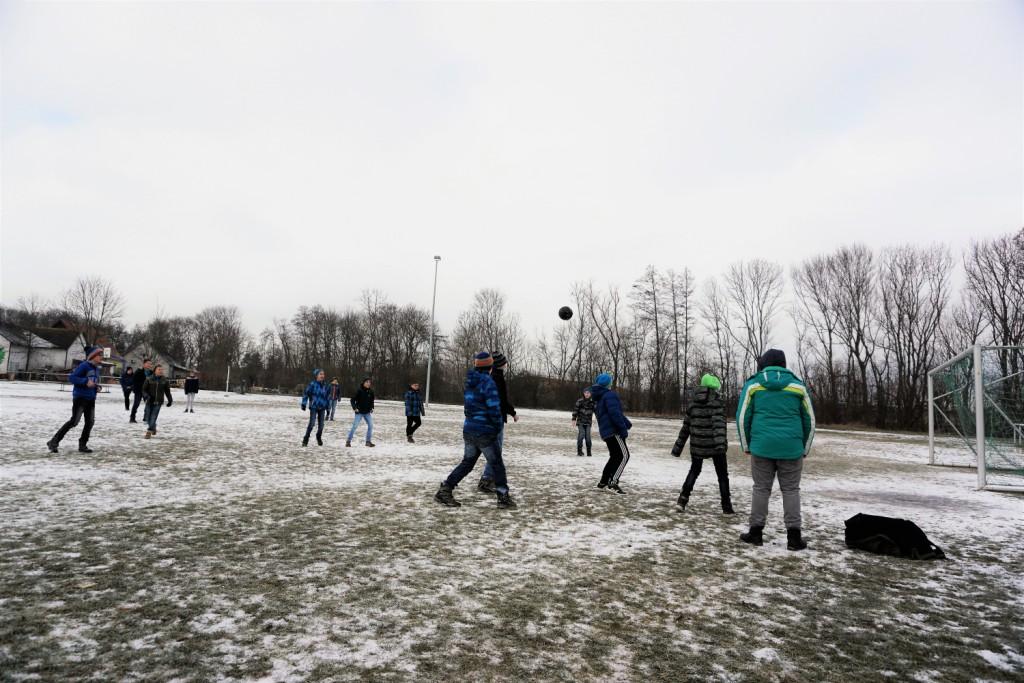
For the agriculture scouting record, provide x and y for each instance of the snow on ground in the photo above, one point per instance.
(222, 549)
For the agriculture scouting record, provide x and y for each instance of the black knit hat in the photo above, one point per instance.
(499, 359)
(772, 357)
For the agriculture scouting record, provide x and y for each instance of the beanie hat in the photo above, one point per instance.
(483, 360)
(711, 382)
(603, 380)
(772, 357)
(91, 351)
(316, 371)
(499, 359)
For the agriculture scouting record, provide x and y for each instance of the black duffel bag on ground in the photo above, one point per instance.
(890, 536)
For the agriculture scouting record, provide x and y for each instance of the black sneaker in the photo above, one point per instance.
(86, 449)
(319, 441)
(616, 489)
(305, 442)
(348, 444)
(444, 496)
(370, 444)
(132, 420)
(505, 502)
(409, 439)
(754, 536)
(794, 541)
(192, 410)
(682, 501)
(186, 410)
(52, 445)
(486, 486)
(602, 484)
(727, 508)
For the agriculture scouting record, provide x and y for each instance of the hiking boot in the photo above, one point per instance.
(727, 507)
(589, 455)
(132, 421)
(505, 502)
(370, 444)
(602, 484)
(82, 448)
(348, 444)
(52, 445)
(408, 438)
(753, 537)
(305, 441)
(682, 501)
(149, 434)
(794, 541)
(444, 497)
(616, 489)
(319, 441)
(579, 453)
(486, 486)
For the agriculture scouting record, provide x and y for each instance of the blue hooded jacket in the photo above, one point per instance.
(608, 408)
(80, 377)
(317, 394)
(481, 404)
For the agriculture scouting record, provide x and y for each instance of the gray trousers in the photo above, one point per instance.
(763, 471)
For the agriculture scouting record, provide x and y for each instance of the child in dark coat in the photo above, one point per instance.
(704, 426)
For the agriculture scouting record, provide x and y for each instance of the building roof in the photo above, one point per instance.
(59, 337)
(21, 336)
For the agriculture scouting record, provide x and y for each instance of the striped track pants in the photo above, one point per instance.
(618, 457)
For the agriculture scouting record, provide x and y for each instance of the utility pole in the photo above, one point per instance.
(430, 351)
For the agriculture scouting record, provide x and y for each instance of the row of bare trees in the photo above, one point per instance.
(863, 325)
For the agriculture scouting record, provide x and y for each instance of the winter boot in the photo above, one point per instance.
(505, 502)
(753, 537)
(682, 501)
(319, 441)
(579, 452)
(149, 434)
(82, 448)
(615, 489)
(727, 507)
(794, 541)
(305, 441)
(486, 486)
(52, 445)
(348, 444)
(132, 420)
(588, 453)
(408, 438)
(444, 497)
(370, 444)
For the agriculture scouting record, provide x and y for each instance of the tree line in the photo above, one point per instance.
(868, 325)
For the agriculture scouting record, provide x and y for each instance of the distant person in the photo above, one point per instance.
(704, 426)
(775, 421)
(127, 378)
(362, 404)
(614, 428)
(413, 411)
(317, 396)
(480, 430)
(85, 380)
(334, 395)
(191, 391)
(156, 388)
(582, 419)
(487, 483)
(138, 379)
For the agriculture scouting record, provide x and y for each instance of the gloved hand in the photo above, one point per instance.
(303, 407)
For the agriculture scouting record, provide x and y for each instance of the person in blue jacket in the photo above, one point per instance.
(126, 381)
(318, 396)
(483, 423)
(86, 381)
(413, 411)
(614, 428)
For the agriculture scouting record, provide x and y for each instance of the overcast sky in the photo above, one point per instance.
(271, 155)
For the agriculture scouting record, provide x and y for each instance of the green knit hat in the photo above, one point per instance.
(711, 382)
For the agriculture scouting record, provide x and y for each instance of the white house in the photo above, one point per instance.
(66, 348)
(24, 350)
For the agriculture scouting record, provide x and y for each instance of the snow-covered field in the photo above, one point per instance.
(222, 550)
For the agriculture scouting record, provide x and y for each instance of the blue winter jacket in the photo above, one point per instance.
(317, 395)
(481, 404)
(608, 408)
(413, 404)
(80, 377)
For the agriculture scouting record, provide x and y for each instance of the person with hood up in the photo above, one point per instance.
(334, 395)
(775, 421)
(486, 483)
(155, 389)
(413, 411)
(362, 403)
(317, 396)
(613, 427)
(126, 382)
(704, 426)
(85, 379)
(191, 391)
(582, 418)
(483, 423)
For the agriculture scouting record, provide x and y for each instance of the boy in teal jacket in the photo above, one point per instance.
(775, 421)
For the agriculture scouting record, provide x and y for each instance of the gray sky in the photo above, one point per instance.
(272, 155)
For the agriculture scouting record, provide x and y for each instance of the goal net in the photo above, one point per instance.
(976, 415)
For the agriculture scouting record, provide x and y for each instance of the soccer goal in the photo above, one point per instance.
(976, 415)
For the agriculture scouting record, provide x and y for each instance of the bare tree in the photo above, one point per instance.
(605, 314)
(754, 288)
(680, 286)
(717, 319)
(817, 322)
(96, 305)
(856, 297)
(488, 326)
(994, 276)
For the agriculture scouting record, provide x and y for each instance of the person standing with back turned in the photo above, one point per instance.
(614, 428)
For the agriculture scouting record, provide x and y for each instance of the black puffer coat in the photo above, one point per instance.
(704, 426)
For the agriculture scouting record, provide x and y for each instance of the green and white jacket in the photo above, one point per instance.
(775, 418)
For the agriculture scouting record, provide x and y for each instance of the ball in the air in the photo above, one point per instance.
(564, 312)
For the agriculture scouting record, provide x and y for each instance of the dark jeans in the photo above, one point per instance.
(334, 406)
(135, 403)
(318, 417)
(412, 423)
(583, 434)
(127, 398)
(79, 407)
(721, 469)
(618, 457)
(475, 445)
(146, 411)
(152, 412)
(488, 470)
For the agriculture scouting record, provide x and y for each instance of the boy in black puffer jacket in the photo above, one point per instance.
(704, 426)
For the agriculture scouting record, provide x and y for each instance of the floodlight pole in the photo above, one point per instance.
(227, 382)
(931, 419)
(430, 351)
(979, 414)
